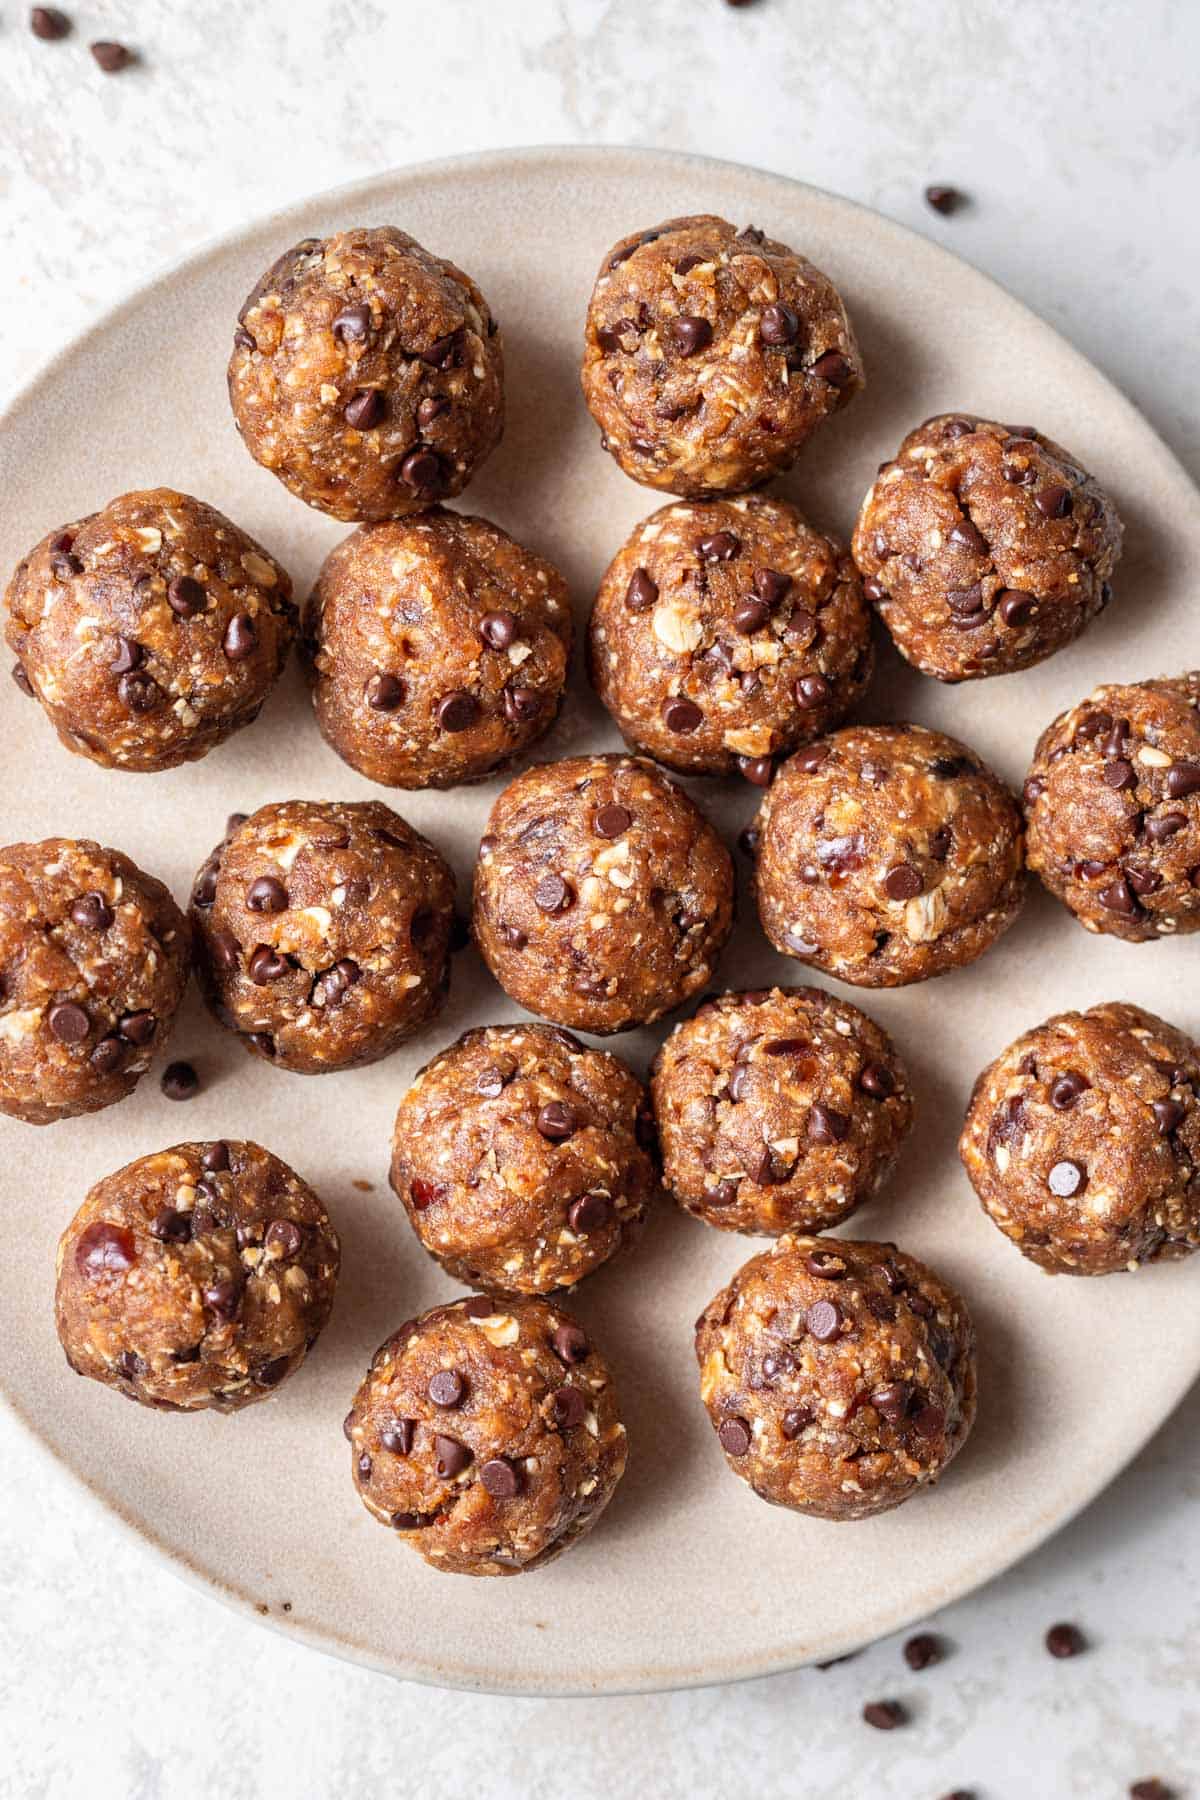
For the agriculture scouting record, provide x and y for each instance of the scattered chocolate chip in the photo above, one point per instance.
(130, 1365)
(1066, 1089)
(91, 912)
(457, 711)
(1064, 1640)
(352, 324)
(266, 894)
(642, 591)
(811, 691)
(216, 1158)
(111, 57)
(1016, 607)
(611, 821)
(903, 882)
(735, 1436)
(450, 1456)
(384, 692)
(1182, 779)
(751, 616)
(443, 352)
(185, 596)
(105, 1249)
(1120, 774)
(824, 1320)
(180, 1081)
(69, 1023)
(223, 1298)
(521, 704)
(270, 1374)
(557, 1121)
(138, 1027)
(22, 680)
(447, 1388)
(824, 1265)
(365, 410)
(569, 1344)
(498, 629)
(892, 1400)
(681, 715)
(944, 200)
(241, 638)
(794, 1421)
(1151, 1789)
(828, 1126)
(779, 325)
(884, 1715)
(1053, 502)
(48, 23)
(759, 771)
(283, 1237)
(170, 1226)
(877, 1080)
(922, 1651)
(109, 1055)
(722, 546)
(1117, 897)
(501, 1477)
(138, 692)
(1168, 1115)
(422, 471)
(553, 895)
(397, 1438)
(833, 368)
(689, 334)
(591, 1212)
(431, 408)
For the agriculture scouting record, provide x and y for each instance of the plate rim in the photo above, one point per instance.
(499, 162)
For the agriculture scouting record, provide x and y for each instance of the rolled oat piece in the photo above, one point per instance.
(712, 354)
(726, 633)
(487, 1434)
(985, 547)
(888, 854)
(367, 374)
(1082, 1141)
(199, 1276)
(323, 932)
(94, 959)
(839, 1376)
(149, 631)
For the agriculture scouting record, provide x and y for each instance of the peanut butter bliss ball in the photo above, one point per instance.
(1112, 807)
(887, 854)
(149, 631)
(200, 1276)
(781, 1109)
(487, 1435)
(367, 374)
(323, 932)
(1082, 1140)
(839, 1376)
(603, 897)
(985, 547)
(438, 649)
(94, 959)
(727, 632)
(712, 354)
(523, 1158)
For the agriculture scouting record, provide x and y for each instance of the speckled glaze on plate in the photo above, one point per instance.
(689, 1578)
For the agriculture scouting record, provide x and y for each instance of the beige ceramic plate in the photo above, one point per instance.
(689, 1577)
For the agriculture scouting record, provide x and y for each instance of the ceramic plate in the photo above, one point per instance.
(689, 1578)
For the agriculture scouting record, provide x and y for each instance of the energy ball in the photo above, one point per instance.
(985, 547)
(487, 1434)
(839, 1376)
(438, 649)
(888, 854)
(523, 1158)
(711, 355)
(149, 631)
(603, 897)
(1112, 807)
(782, 1109)
(727, 632)
(1082, 1140)
(198, 1277)
(94, 958)
(323, 932)
(367, 374)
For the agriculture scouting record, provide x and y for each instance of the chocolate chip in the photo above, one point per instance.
(1182, 779)
(262, 1041)
(1117, 897)
(521, 704)
(828, 1126)
(681, 715)
(242, 340)
(365, 410)
(903, 882)
(352, 324)
(735, 1436)
(569, 1344)
(944, 200)
(138, 692)
(557, 1121)
(91, 912)
(1066, 1089)
(185, 596)
(397, 1438)
(568, 1407)
(553, 895)
(223, 1298)
(241, 638)
(105, 1249)
(779, 325)
(722, 546)
(1066, 1178)
(689, 334)
(1016, 607)
(810, 759)
(922, 1651)
(501, 1478)
(130, 1365)
(884, 1715)
(270, 1374)
(234, 823)
(283, 1237)
(479, 1306)
(823, 1265)
(266, 894)
(811, 691)
(48, 23)
(642, 591)
(611, 821)
(824, 1320)
(170, 1226)
(458, 711)
(447, 1388)
(759, 771)
(750, 616)
(180, 1081)
(384, 692)
(69, 1023)
(1053, 502)
(724, 1194)
(966, 601)
(591, 1212)
(443, 351)
(1152, 1789)
(111, 57)
(1119, 774)
(216, 1158)
(422, 471)
(877, 1080)
(138, 1027)
(224, 949)
(498, 629)
(833, 368)
(891, 1401)
(794, 1421)
(1142, 881)
(1064, 1640)
(1168, 1114)
(109, 1055)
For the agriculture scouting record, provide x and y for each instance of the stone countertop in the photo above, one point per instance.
(1076, 132)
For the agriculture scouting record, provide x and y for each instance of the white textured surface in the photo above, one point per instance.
(1077, 132)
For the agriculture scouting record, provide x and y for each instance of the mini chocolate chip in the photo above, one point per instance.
(105, 1249)
(1151, 1789)
(521, 704)
(270, 1374)
(501, 1477)
(724, 1194)
(1016, 607)
(884, 1715)
(824, 1320)
(828, 1126)
(591, 1212)
(1019, 476)
(722, 546)
(216, 1157)
(833, 368)
(431, 408)
(442, 352)
(91, 912)
(1117, 897)
(693, 260)
(69, 1023)
(422, 471)
(922, 1651)
(205, 890)
(779, 326)
(968, 600)
(1066, 1089)
(569, 1344)
(891, 1401)
(557, 1121)
(944, 200)
(138, 1027)
(877, 1080)
(1064, 1640)
(109, 1055)
(794, 1421)
(611, 821)
(170, 1226)
(48, 23)
(241, 638)
(365, 410)
(553, 895)
(179, 1081)
(262, 1041)
(397, 1438)
(903, 882)
(1142, 881)
(110, 56)
(689, 335)
(1182, 779)
(224, 949)
(458, 711)
(498, 629)
(751, 616)
(1066, 1178)
(266, 894)
(1119, 774)
(811, 691)
(283, 1237)
(759, 771)
(352, 324)
(185, 596)
(681, 715)
(384, 692)
(1168, 1114)
(568, 1407)
(642, 591)
(823, 1265)
(138, 692)
(967, 536)
(735, 1436)
(447, 1388)
(1053, 502)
